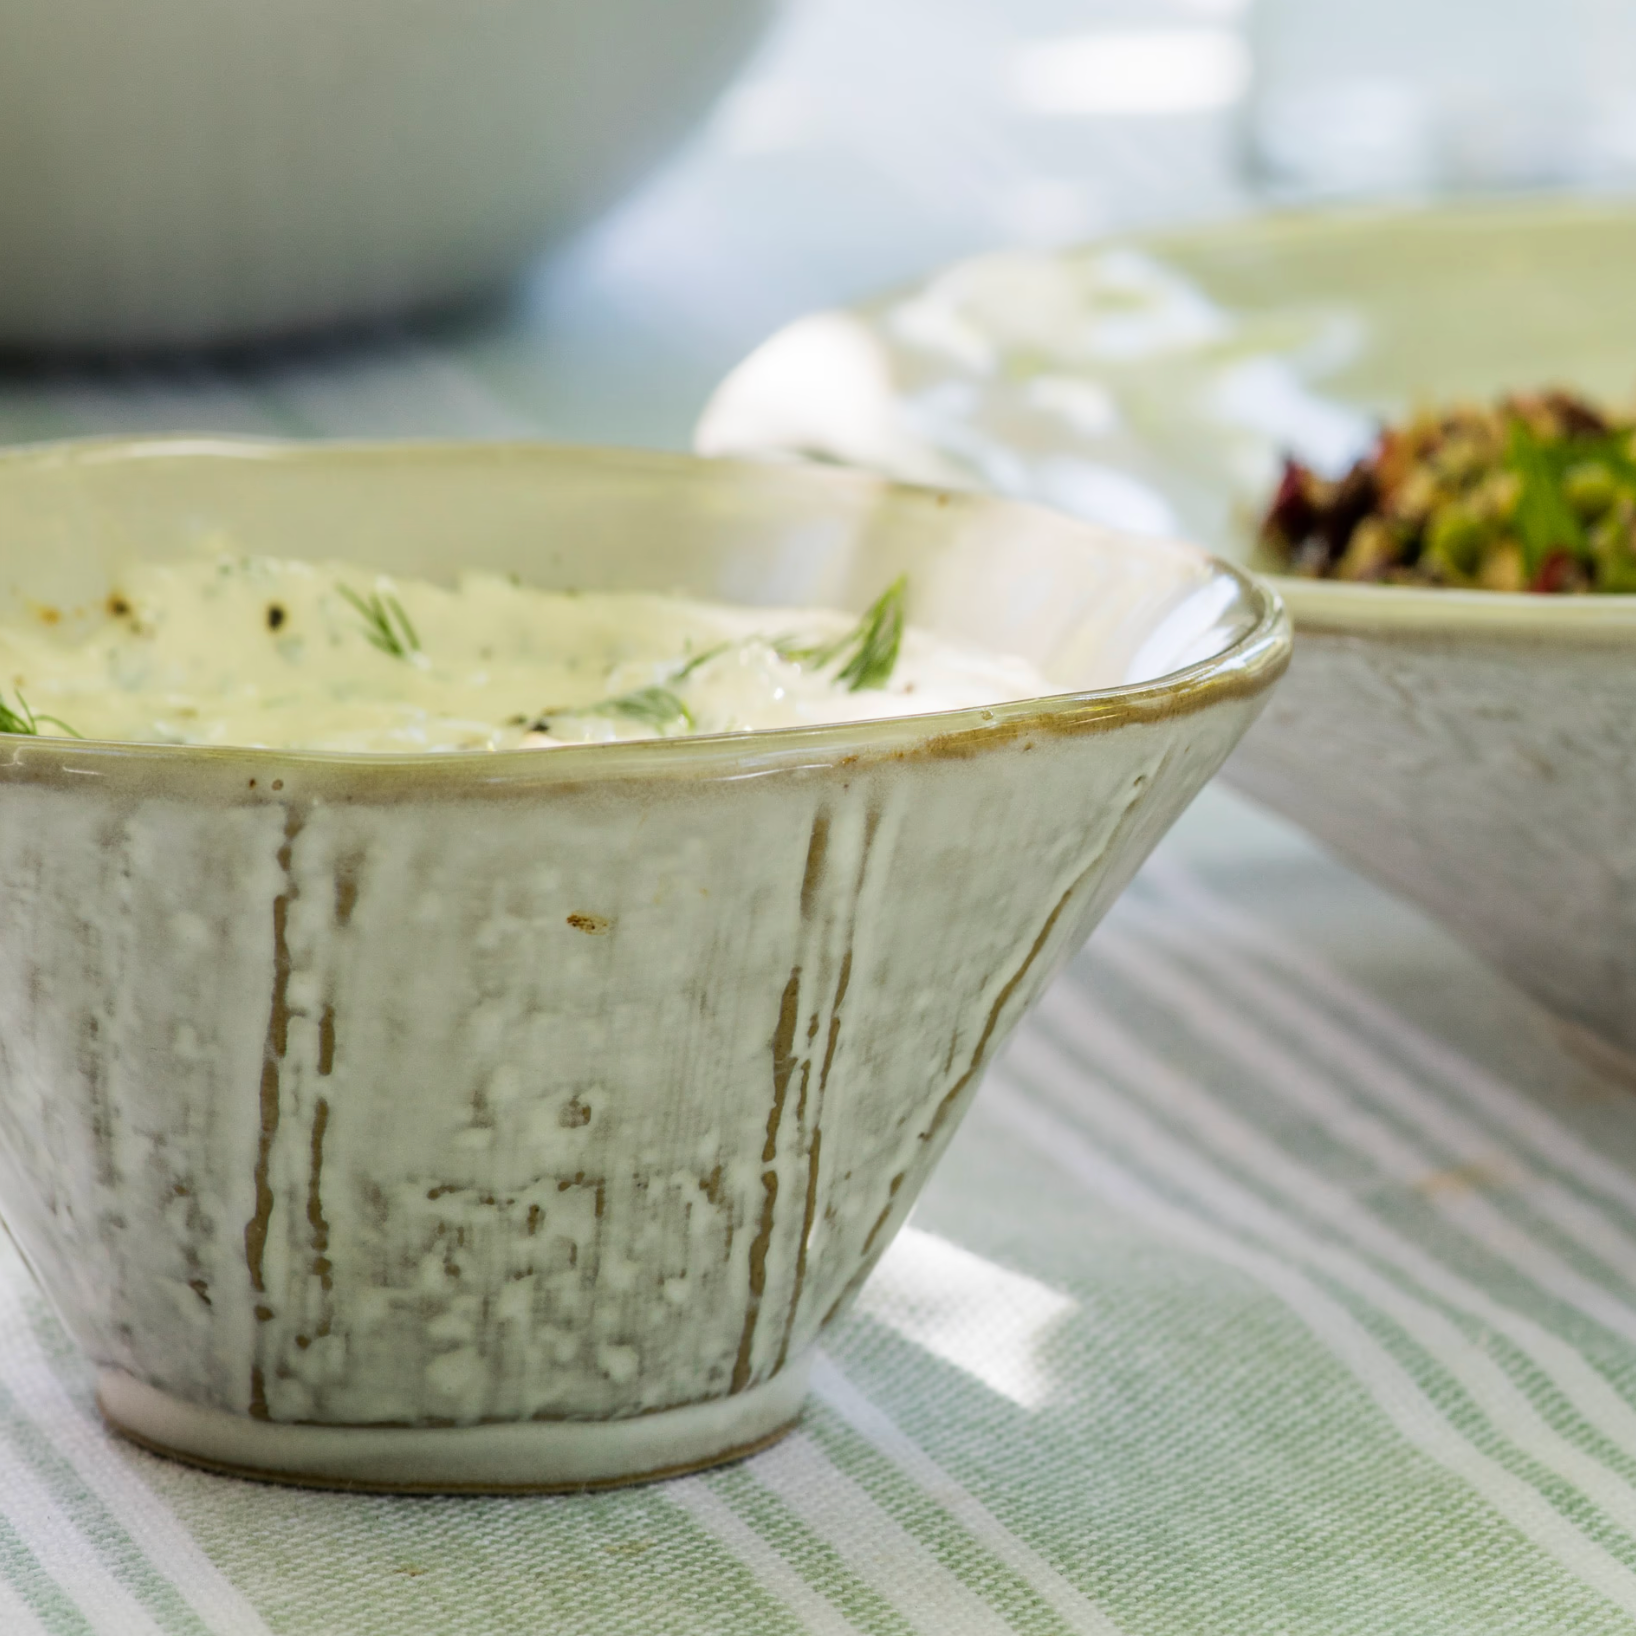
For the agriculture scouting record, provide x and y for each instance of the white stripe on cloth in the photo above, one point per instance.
(1394, 1393)
(66, 1555)
(1278, 1071)
(102, 1467)
(986, 1320)
(17, 1618)
(875, 1426)
(712, 1513)
(875, 1548)
(1491, 1390)
(1524, 1120)
(1370, 1071)
(1096, 1038)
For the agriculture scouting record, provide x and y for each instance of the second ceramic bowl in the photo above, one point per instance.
(1471, 750)
(521, 1120)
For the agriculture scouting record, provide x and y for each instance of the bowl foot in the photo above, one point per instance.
(524, 1457)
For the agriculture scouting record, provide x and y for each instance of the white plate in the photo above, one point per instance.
(1153, 383)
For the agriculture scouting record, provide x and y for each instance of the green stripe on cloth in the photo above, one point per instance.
(97, 1557)
(1453, 1374)
(1492, 1524)
(30, 1600)
(1399, 1276)
(850, 1589)
(1223, 1438)
(1549, 1235)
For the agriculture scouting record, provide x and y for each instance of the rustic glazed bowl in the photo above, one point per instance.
(522, 1119)
(1473, 751)
(1476, 752)
(182, 171)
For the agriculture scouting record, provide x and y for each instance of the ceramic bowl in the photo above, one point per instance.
(1476, 753)
(522, 1119)
(184, 171)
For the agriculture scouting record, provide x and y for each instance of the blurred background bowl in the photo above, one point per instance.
(187, 171)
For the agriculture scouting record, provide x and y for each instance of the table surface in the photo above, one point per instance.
(1280, 1279)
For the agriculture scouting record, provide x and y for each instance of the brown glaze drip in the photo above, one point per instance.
(346, 888)
(326, 1041)
(880, 1220)
(815, 1145)
(321, 1266)
(783, 1043)
(278, 1041)
(817, 857)
(946, 1106)
(814, 1154)
(814, 1148)
(1001, 1001)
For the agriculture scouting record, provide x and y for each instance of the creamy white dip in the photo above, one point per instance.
(289, 654)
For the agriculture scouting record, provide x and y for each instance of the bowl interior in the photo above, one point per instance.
(1091, 607)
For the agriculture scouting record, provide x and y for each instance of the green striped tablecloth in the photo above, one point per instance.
(1283, 1279)
(1280, 1281)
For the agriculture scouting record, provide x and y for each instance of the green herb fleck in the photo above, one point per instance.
(699, 659)
(1544, 519)
(386, 625)
(655, 707)
(23, 720)
(870, 648)
(867, 655)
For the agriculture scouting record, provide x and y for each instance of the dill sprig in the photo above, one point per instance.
(867, 655)
(700, 659)
(870, 648)
(386, 625)
(23, 720)
(654, 706)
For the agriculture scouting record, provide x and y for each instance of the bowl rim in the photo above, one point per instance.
(1342, 607)
(1474, 213)
(1246, 667)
